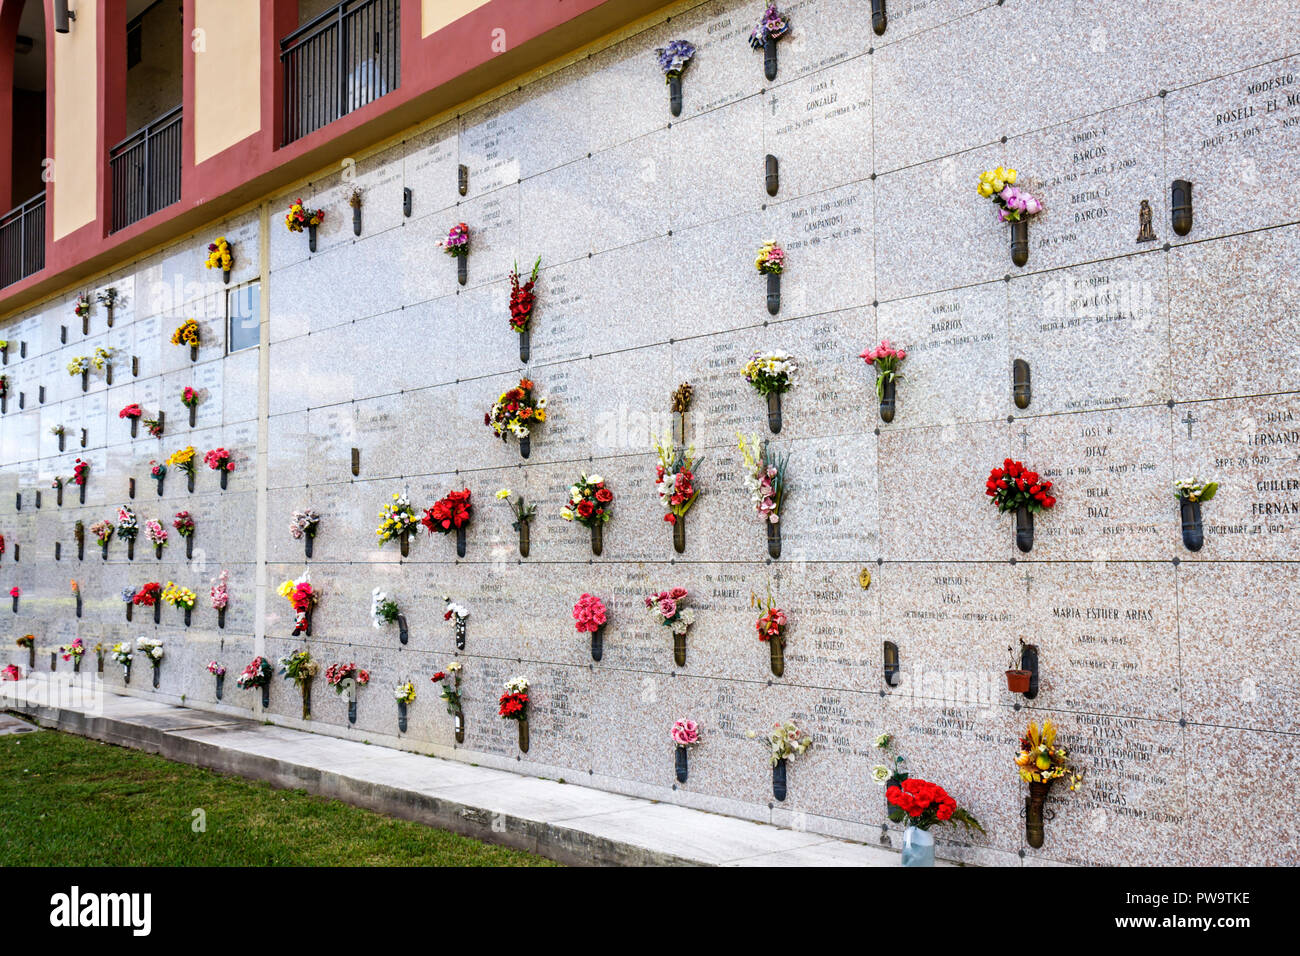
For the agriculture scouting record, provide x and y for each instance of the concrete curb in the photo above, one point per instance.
(574, 825)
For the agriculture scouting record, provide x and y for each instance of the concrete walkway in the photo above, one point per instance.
(573, 824)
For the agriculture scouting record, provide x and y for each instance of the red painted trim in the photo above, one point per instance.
(10, 12)
(257, 164)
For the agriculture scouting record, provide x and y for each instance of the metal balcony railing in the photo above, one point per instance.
(340, 61)
(22, 240)
(147, 170)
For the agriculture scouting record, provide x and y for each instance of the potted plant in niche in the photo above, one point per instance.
(771, 263)
(590, 503)
(673, 60)
(886, 359)
(685, 735)
(1041, 762)
(1014, 204)
(513, 705)
(1015, 488)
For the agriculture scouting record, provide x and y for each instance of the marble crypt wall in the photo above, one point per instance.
(1171, 673)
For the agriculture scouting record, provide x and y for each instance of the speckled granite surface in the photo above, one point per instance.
(1170, 672)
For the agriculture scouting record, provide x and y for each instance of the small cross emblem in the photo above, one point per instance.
(1024, 437)
(1189, 421)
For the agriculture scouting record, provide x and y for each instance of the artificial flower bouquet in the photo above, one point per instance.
(155, 534)
(183, 522)
(886, 359)
(80, 471)
(764, 477)
(685, 733)
(449, 678)
(74, 651)
(457, 242)
(257, 674)
(180, 598)
(1195, 490)
(303, 524)
(82, 307)
(80, 365)
(772, 26)
(397, 521)
(299, 217)
(157, 470)
(383, 609)
(448, 514)
(182, 459)
(770, 259)
(522, 297)
(589, 614)
(786, 740)
(1013, 203)
(457, 614)
(221, 461)
(187, 333)
(121, 653)
(299, 667)
(675, 485)
(668, 609)
(921, 804)
(515, 413)
(770, 372)
(590, 501)
(216, 669)
(302, 599)
(219, 255)
(1041, 760)
(674, 58)
(345, 678)
(152, 650)
(148, 595)
(404, 693)
(102, 358)
(219, 593)
(103, 531)
(522, 511)
(189, 397)
(513, 704)
(1014, 486)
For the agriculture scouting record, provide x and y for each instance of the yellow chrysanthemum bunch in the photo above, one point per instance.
(219, 256)
(183, 459)
(177, 596)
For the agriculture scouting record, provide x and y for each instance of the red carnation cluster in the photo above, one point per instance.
(916, 796)
(451, 512)
(1013, 486)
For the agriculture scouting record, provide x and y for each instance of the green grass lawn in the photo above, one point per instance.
(69, 801)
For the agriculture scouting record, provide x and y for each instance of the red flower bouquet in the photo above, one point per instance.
(1014, 486)
(590, 501)
(522, 297)
(337, 675)
(448, 514)
(218, 459)
(513, 703)
(922, 804)
(80, 472)
(148, 594)
(131, 411)
(589, 614)
(189, 397)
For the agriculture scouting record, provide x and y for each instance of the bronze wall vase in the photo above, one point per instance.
(1034, 812)
(777, 650)
(311, 238)
(679, 649)
(598, 643)
(1024, 529)
(221, 685)
(890, 653)
(769, 57)
(683, 765)
(1020, 241)
(460, 727)
(1021, 387)
(879, 17)
(523, 734)
(401, 716)
(1181, 206)
(774, 292)
(771, 175)
(675, 95)
(597, 538)
(524, 539)
(774, 539)
(774, 412)
(679, 534)
(403, 632)
(305, 688)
